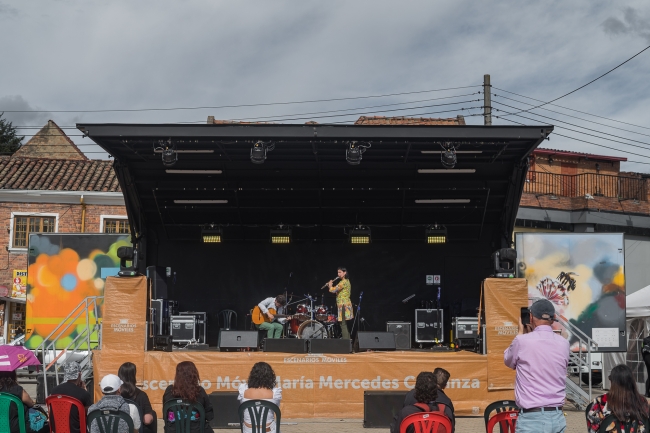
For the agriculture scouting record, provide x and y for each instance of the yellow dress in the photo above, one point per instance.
(343, 302)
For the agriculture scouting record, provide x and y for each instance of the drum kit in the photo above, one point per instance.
(312, 321)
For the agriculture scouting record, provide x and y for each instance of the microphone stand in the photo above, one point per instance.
(357, 316)
(439, 318)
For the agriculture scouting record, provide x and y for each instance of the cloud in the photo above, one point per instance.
(633, 24)
(24, 117)
(6, 10)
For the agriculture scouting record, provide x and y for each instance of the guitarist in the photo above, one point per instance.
(274, 327)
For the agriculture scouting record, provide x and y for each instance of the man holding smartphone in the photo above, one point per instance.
(540, 358)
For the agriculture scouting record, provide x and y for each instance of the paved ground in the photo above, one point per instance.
(575, 422)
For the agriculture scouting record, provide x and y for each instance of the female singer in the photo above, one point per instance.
(342, 290)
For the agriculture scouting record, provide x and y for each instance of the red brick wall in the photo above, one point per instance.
(69, 222)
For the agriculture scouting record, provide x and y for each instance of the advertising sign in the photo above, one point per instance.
(19, 287)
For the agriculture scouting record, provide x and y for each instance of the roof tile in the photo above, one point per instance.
(401, 120)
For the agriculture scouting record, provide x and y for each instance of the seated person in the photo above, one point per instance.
(442, 378)
(186, 386)
(130, 391)
(623, 400)
(426, 393)
(74, 387)
(260, 386)
(9, 384)
(112, 400)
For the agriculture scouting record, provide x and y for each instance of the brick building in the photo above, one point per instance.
(584, 193)
(49, 185)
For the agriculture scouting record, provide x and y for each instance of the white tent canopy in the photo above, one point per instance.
(638, 303)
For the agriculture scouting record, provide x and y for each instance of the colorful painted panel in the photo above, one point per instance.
(63, 270)
(583, 274)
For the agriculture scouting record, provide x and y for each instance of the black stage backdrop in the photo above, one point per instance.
(213, 277)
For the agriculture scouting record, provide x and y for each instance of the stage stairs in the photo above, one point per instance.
(576, 394)
(73, 339)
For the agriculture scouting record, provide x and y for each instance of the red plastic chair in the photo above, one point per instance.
(59, 406)
(426, 422)
(506, 419)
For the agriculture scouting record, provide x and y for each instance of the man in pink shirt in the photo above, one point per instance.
(540, 359)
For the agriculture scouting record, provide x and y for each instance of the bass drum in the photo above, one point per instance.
(312, 329)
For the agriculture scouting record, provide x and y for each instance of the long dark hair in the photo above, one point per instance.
(623, 398)
(186, 383)
(261, 376)
(127, 374)
(7, 379)
(347, 274)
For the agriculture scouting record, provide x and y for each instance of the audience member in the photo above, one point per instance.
(130, 391)
(442, 378)
(426, 394)
(261, 385)
(74, 387)
(623, 400)
(186, 386)
(112, 400)
(540, 359)
(9, 384)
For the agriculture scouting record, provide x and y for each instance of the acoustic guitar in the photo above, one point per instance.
(258, 317)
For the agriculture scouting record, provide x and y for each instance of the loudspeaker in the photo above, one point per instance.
(163, 343)
(233, 341)
(330, 345)
(226, 404)
(158, 282)
(402, 331)
(380, 407)
(376, 341)
(286, 345)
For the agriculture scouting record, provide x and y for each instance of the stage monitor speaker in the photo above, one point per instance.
(158, 281)
(226, 414)
(380, 407)
(163, 343)
(330, 345)
(233, 341)
(376, 341)
(504, 261)
(402, 331)
(286, 345)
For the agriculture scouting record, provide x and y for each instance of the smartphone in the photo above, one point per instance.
(525, 316)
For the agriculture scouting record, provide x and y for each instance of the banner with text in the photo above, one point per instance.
(125, 306)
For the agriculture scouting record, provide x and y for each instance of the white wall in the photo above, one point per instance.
(637, 263)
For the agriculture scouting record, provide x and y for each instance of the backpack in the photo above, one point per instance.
(441, 410)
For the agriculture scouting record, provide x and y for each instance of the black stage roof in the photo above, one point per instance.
(307, 184)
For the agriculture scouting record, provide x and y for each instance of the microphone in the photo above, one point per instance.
(335, 281)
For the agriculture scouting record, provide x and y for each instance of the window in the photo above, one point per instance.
(116, 226)
(24, 225)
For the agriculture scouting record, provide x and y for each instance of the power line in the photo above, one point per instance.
(238, 106)
(585, 85)
(572, 109)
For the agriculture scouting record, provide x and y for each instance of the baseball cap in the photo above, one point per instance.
(110, 384)
(543, 309)
(71, 371)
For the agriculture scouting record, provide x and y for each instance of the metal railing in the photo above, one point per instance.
(581, 185)
(79, 348)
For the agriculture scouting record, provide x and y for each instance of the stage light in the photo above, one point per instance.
(281, 236)
(448, 158)
(128, 254)
(259, 150)
(360, 235)
(169, 171)
(446, 170)
(353, 154)
(169, 155)
(436, 234)
(211, 235)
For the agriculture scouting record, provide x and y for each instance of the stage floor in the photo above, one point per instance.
(317, 385)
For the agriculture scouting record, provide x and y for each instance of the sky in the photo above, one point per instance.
(64, 58)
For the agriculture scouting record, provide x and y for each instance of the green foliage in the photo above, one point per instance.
(9, 141)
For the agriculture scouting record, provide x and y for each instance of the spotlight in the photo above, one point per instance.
(211, 235)
(436, 234)
(281, 236)
(127, 254)
(448, 155)
(258, 152)
(360, 235)
(169, 155)
(354, 151)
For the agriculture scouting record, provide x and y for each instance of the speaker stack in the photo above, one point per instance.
(402, 331)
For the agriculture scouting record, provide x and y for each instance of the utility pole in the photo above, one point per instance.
(487, 100)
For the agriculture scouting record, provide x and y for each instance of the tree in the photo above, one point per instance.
(9, 141)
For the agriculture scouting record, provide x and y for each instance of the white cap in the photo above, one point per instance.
(110, 384)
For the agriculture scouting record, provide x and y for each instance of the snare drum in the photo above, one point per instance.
(321, 313)
(303, 312)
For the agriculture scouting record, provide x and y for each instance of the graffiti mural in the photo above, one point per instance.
(583, 275)
(63, 270)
